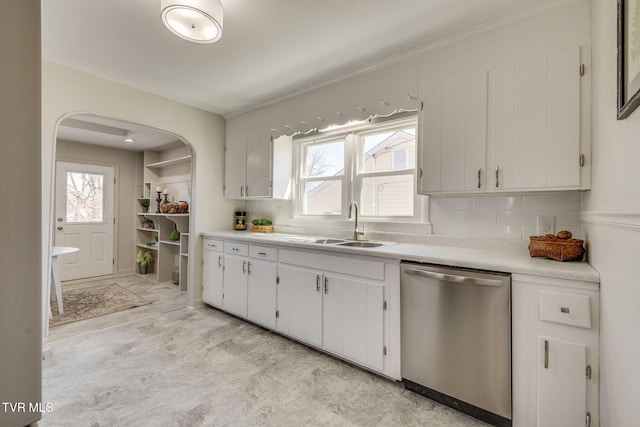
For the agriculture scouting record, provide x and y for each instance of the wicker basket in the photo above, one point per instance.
(262, 228)
(559, 249)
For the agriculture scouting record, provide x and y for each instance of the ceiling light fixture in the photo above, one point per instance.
(198, 21)
(129, 140)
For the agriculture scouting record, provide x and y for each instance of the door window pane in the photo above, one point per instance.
(85, 197)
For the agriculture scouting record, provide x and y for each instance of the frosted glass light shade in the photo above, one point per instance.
(198, 21)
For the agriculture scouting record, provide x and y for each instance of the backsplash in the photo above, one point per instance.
(511, 217)
(506, 217)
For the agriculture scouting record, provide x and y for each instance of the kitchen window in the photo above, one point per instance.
(373, 163)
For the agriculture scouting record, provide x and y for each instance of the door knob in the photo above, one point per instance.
(60, 219)
(60, 227)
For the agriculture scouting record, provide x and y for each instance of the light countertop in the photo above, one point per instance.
(517, 262)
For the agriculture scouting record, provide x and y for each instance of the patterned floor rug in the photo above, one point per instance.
(93, 301)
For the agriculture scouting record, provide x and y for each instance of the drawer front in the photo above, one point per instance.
(213, 245)
(236, 248)
(565, 308)
(263, 252)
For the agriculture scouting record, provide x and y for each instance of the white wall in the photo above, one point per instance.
(20, 283)
(67, 91)
(124, 162)
(612, 228)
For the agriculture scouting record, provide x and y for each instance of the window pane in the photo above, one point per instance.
(389, 151)
(387, 196)
(322, 197)
(84, 197)
(324, 159)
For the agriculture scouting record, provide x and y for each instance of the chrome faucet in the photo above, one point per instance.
(356, 234)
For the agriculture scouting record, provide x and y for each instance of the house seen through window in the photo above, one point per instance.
(373, 165)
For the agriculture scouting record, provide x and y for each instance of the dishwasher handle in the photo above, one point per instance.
(453, 277)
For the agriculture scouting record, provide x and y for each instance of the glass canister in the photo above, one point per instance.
(240, 220)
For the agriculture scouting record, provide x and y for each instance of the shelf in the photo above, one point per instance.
(171, 242)
(142, 245)
(166, 214)
(184, 254)
(147, 229)
(172, 162)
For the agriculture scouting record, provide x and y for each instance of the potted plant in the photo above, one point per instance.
(145, 205)
(143, 259)
(262, 225)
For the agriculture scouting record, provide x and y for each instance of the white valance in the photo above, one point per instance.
(380, 92)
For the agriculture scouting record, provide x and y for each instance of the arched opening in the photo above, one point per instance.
(105, 205)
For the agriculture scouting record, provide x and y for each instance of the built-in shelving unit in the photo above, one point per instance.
(168, 170)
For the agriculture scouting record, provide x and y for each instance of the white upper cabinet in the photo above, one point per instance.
(256, 166)
(452, 153)
(248, 165)
(513, 128)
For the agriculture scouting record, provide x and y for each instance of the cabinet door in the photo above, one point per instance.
(535, 123)
(259, 164)
(212, 278)
(235, 285)
(235, 159)
(562, 383)
(261, 293)
(454, 135)
(300, 304)
(353, 320)
(332, 319)
(363, 322)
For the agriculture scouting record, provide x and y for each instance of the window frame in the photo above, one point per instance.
(353, 176)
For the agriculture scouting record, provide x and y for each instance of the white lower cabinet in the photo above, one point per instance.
(345, 305)
(235, 278)
(562, 383)
(261, 292)
(300, 304)
(555, 352)
(212, 272)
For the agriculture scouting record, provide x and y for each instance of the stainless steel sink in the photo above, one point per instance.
(330, 241)
(359, 244)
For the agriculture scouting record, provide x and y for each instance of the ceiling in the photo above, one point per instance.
(269, 49)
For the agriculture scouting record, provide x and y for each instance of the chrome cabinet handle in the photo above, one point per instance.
(317, 283)
(262, 253)
(241, 191)
(244, 267)
(497, 176)
(246, 191)
(546, 354)
(235, 249)
(248, 267)
(219, 260)
(326, 285)
(479, 175)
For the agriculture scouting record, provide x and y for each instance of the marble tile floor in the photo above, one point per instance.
(168, 365)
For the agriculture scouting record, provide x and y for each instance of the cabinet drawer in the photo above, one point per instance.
(213, 245)
(236, 248)
(262, 252)
(565, 308)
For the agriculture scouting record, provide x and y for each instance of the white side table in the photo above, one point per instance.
(55, 271)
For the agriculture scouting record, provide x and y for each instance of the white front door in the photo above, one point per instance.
(84, 219)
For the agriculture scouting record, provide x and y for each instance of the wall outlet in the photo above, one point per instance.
(546, 225)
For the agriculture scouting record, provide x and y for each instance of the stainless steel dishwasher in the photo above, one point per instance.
(456, 338)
